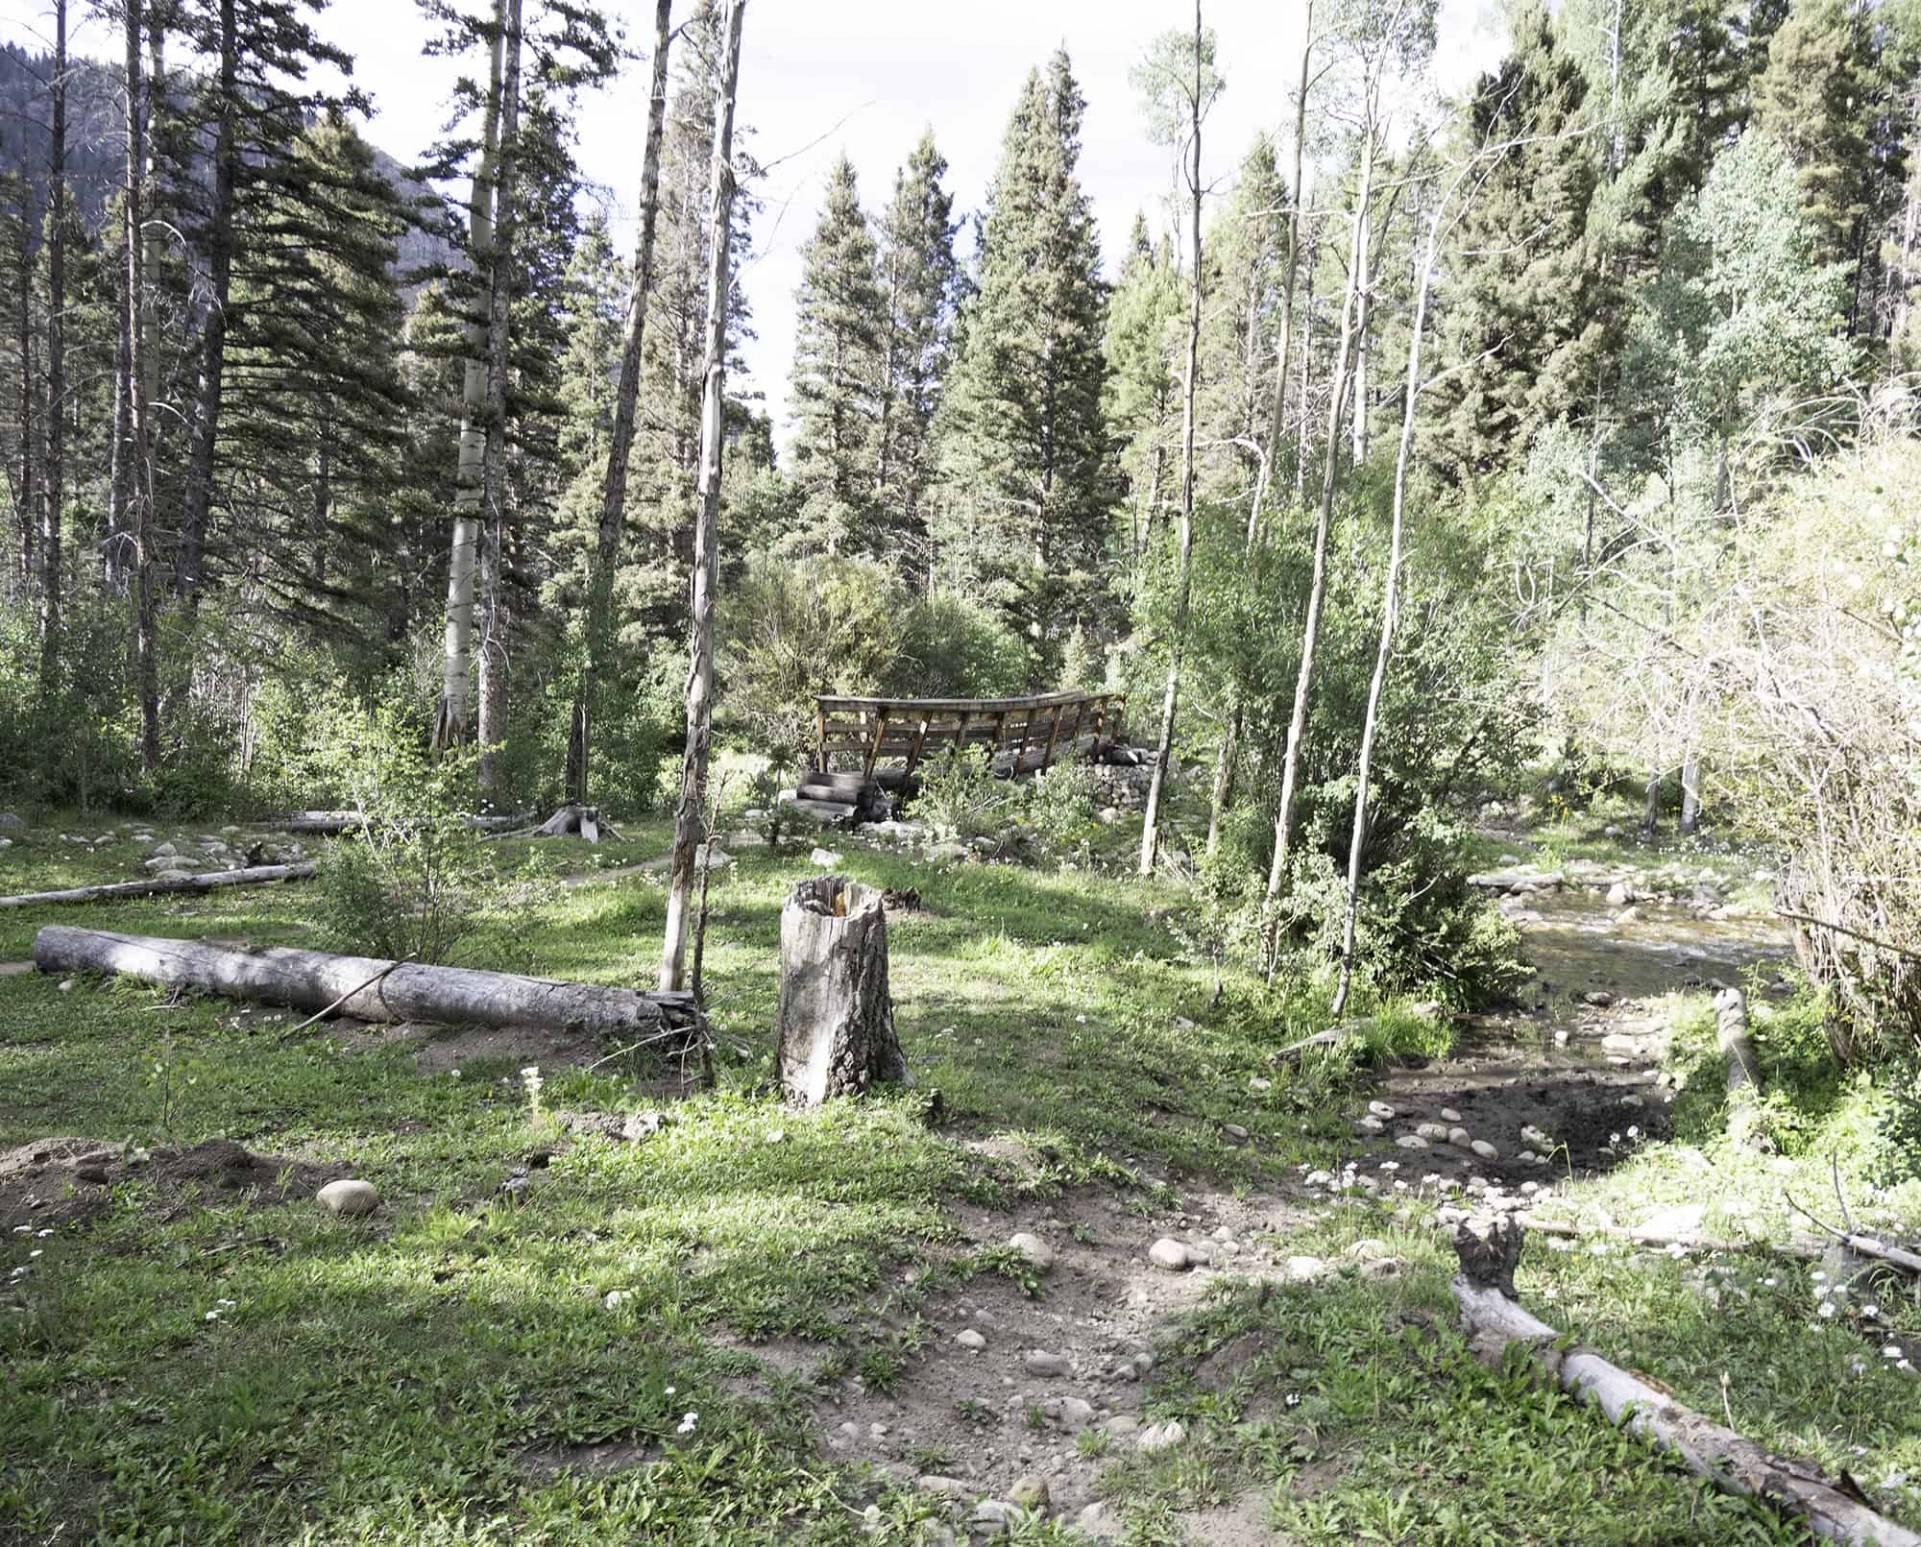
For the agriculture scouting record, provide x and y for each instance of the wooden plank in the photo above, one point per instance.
(820, 733)
(920, 741)
(873, 752)
(1053, 735)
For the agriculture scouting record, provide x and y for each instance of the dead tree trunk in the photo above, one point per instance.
(370, 988)
(835, 1027)
(1484, 1291)
(690, 812)
(613, 495)
(1164, 747)
(53, 497)
(252, 875)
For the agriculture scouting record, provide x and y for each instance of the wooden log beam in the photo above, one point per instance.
(1489, 1251)
(371, 988)
(330, 824)
(211, 881)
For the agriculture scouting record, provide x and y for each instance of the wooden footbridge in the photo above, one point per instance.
(887, 739)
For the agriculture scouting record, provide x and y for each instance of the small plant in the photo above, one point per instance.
(1093, 1442)
(957, 793)
(530, 1082)
(407, 882)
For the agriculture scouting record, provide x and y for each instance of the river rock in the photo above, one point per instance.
(349, 1198)
(1072, 1413)
(1485, 1150)
(971, 1339)
(1162, 1436)
(1033, 1248)
(1449, 1115)
(1380, 1109)
(1370, 1124)
(11, 822)
(1411, 1141)
(1460, 1137)
(1029, 1491)
(942, 1487)
(994, 1516)
(1620, 895)
(1435, 1131)
(1038, 1361)
(1170, 1254)
(827, 859)
(1301, 1269)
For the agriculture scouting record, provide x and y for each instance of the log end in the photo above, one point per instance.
(1489, 1249)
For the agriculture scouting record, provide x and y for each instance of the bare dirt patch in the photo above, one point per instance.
(60, 1180)
(447, 1048)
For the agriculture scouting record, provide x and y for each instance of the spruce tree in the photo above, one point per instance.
(838, 376)
(1527, 309)
(920, 283)
(1028, 469)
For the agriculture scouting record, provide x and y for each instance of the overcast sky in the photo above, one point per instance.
(818, 76)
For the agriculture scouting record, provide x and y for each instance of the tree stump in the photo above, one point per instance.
(836, 1019)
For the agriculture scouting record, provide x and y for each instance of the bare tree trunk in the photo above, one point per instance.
(1324, 520)
(452, 719)
(1164, 748)
(1357, 421)
(198, 498)
(139, 460)
(1284, 327)
(26, 484)
(496, 634)
(1302, 445)
(700, 669)
(834, 1028)
(1690, 793)
(613, 497)
(1225, 764)
(210, 881)
(1651, 808)
(53, 503)
(1390, 603)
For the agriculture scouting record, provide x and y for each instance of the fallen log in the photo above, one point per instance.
(330, 824)
(1799, 1251)
(154, 886)
(1489, 1250)
(1327, 1038)
(373, 989)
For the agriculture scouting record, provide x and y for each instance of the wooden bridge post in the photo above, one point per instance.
(873, 747)
(1053, 735)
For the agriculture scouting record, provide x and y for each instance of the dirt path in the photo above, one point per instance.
(1016, 1399)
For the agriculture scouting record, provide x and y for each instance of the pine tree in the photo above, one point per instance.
(1142, 322)
(838, 375)
(1527, 310)
(1824, 97)
(1247, 250)
(920, 281)
(1027, 463)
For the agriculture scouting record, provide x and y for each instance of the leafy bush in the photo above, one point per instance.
(952, 647)
(959, 794)
(1059, 804)
(410, 883)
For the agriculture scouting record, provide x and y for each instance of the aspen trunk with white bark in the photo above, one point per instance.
(53, 497)
(834, 1029)
(1170, 704)
(1324, 520)
(613, 495)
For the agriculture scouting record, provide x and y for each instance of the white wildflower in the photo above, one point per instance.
(687, 1422)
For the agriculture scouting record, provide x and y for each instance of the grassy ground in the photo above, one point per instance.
(203, 1370)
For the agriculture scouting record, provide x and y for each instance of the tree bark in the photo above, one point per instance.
(370, 988)
(496, 635)
(1391, 597)
(835, 1024)
(26, 483)
(1690, 793)
(198, 498)
(53, 502)
(1284, 327)
(1170, 705)
(1724, 1458)
(452, 718)
(212, 881)
(688, 814)
(613, 495)
(1324, 520)
(139, 469)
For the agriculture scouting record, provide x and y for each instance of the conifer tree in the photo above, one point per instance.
(920, 281)
(840, 317)
(1028, 470)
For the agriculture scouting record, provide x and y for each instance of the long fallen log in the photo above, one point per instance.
(154, 886)
(373, 989)
(1489, 1252)
(330, 824)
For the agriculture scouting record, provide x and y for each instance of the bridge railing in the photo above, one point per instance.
(1019, 735)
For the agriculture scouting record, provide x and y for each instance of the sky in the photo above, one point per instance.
(867, 76)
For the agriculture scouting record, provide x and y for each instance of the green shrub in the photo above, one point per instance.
(959, 796)
(1059, 805)
(410, 883)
